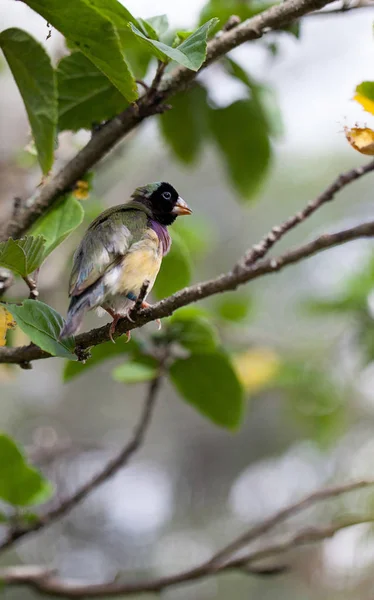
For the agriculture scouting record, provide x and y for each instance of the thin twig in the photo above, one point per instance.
(341, 11)
(143, 84)
(45, 582)
(161, 66)
(293, 509)
(112, 467)
(140, 299)
(32, 284)
(311, 535)
(276, 233)
(279, 15)
(241, 273)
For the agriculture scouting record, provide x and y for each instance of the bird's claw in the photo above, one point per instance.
(147, 305)
(111, 332)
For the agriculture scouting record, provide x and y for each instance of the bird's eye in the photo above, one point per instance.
(166, 195)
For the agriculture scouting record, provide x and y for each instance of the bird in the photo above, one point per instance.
(121, 252)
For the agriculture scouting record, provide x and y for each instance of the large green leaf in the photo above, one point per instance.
(234, 307)
(22, 256)
(134, 372)
(115, 11)
(184, 127)
(191, 53)
(99, 354)
(20, 483)
(175, 272)
(43, 324)
(210, 384)
(94, 34)
(59, 222)
(32, 70)
(132, 48)
(262, 95)
(85, 94)
(195, 333)
(242, 135)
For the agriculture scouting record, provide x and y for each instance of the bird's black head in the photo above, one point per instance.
(163, 201)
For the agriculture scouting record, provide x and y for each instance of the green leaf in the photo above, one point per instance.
(85, 94)
(262, 95)
(43, 325)
(184, 127)
(132, 49)
(22, 256)
(160, 24)
(191, 53)
(175, 272)
(234, 307)
(366, 88)
(241, 133)
(32, 70)
(147, 29)
(195, 333)
(94, 34)
(198, 235)
(59, 222)
(134, 372)
(20, 483)
(115, 11)
(365, 95)
(210, 384)
(194, 46)
(99, 354)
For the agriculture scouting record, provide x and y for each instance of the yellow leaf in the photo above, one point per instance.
(365, 102)
(81, 190)
(6, 322)
(256, 368)
(361, 139)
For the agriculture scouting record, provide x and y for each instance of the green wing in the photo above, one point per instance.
(107, 238)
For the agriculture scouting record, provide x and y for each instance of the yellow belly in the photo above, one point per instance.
(141, 262)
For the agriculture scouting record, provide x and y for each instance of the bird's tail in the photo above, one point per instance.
(78, 306)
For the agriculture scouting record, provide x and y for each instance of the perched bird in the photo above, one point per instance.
(121, 250)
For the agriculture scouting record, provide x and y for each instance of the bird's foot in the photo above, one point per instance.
(116, 317)
(113, 326)
(147, 305)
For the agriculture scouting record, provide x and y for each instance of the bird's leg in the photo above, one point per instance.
(145, 304)
(116, 317)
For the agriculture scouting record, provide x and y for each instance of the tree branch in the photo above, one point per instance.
(284, 514)
(243, 272)
(112, 467)
(342, 10)
(276, 233)
(45, 581)
(149, 104)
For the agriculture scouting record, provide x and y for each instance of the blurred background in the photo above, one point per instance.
(302, 340)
